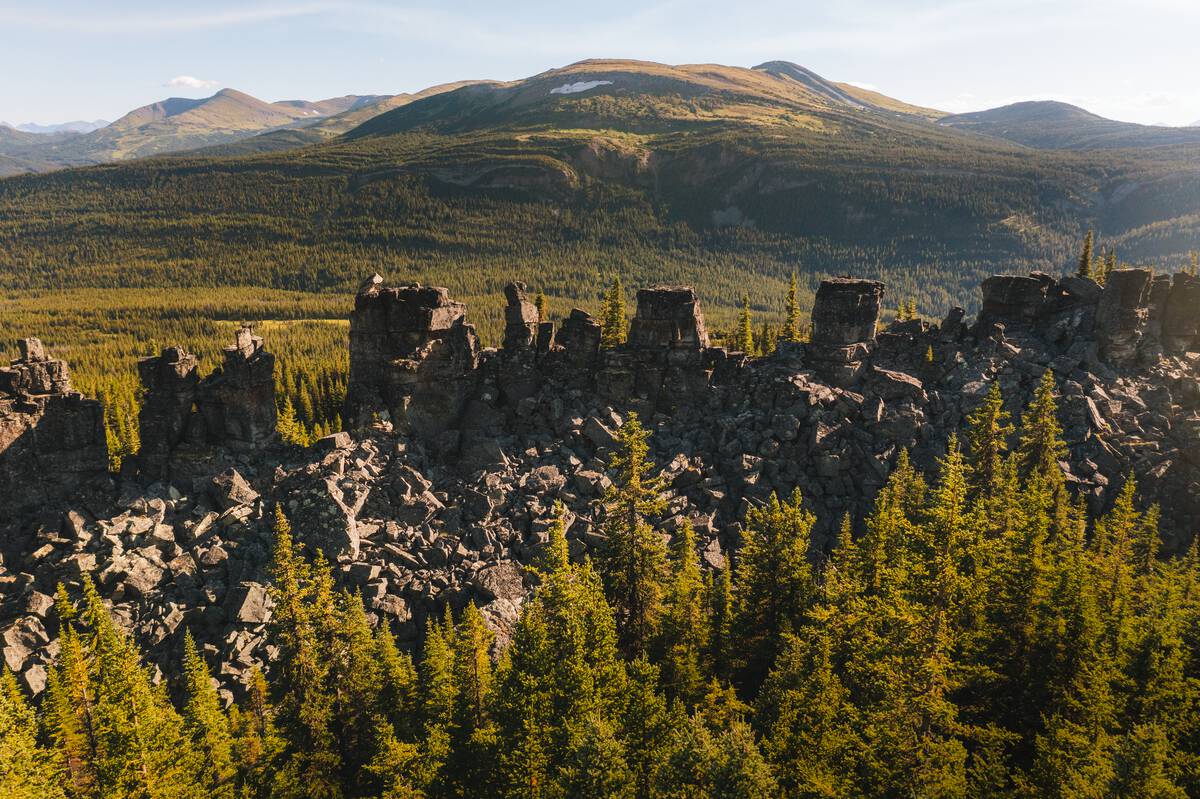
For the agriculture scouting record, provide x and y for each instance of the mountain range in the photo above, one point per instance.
(727, 177)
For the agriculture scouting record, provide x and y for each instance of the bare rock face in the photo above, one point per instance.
(170, 381)
(1122, 314)
(1014, 299)
(412, 357)
(237, 401)
(579, 338)
(52, 439)
(1181, 316)
(844, 319)
(521, 319)
(668, 317)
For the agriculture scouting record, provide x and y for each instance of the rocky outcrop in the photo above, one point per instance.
(169, 380)
(443, 486)
(1122, 314)
(187, 425)
(412, 358)
(52, 439)
(845, 315)
(237, 401)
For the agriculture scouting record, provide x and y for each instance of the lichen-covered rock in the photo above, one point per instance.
(412, 358)
(52, 439)
(521, 319)
(1181, 316)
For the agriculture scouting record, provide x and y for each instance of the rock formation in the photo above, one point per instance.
(445, 480)
(844, 318)
(186, 424)
(411, 357)
(52, 440)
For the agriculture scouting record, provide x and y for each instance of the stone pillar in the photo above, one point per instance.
(844, 319)
(521, 319)
(579, 338)
(1181, 318)
(668, 317)
(52, 439)
(238, 400)
(412, 357)
(1122, 313)
(170, 380)
(1013, 299)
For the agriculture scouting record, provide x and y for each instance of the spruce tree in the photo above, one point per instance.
(1041, 445)
(26, 769)
(684, 632)
(206, 723)
(613, 328)
(744, 341)
(987, 435)
(539, 302)
(773, 583)
(303, 630)
(791, 328)
(1085, 258)
(634, 564)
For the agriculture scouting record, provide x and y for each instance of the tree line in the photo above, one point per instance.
(977, 635)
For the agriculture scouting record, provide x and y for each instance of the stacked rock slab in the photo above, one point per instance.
(844, 318)
(237, 401)
(668, 317)
(170, 381)
(521, 319)
(412, 358)
(1122, 314)
(663, 361)
(1013, 299)
(1181, 317)
(52, 439)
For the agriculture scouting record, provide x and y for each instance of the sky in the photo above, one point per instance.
(61, 60)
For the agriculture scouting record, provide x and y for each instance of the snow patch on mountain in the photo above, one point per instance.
(581, 86)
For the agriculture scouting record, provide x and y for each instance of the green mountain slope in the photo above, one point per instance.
(723, 177)
(1060, 126)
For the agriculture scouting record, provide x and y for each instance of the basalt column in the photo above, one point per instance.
(844, 318)
(412, 358)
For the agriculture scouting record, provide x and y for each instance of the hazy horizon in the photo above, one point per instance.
(1126, 61)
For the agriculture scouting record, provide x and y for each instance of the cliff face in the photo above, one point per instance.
(445, 485)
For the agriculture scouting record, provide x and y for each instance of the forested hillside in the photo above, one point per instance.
(978, 636)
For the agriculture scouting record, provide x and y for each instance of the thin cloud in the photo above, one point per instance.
(188, 82)
(153, 23)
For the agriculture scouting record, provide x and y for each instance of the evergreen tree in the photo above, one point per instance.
(684, 633)
(539, 302)
(791, 328)
(141, 749)
(773, 583)
(303, 629)
(1085, 258)
(744, 341)
(635, 560)
(721, 610)
(987, 436)
(560, 671)
(26, 769)
(206, 723)
(613, 328)
(1041, 445)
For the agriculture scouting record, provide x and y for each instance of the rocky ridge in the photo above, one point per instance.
(443, 489)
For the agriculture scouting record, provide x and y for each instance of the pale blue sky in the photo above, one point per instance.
(75, 59)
